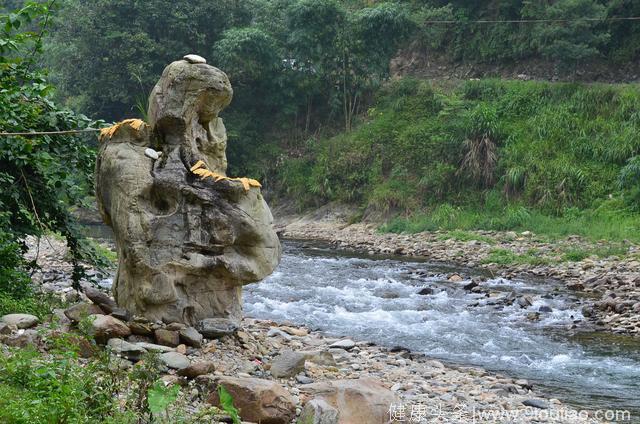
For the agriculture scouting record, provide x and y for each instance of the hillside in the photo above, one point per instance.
(554, 157)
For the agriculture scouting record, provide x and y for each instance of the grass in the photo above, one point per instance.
(459, 235)
(606, 223)
(578, 254)
(507, 257)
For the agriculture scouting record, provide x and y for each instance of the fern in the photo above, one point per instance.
(226, 402)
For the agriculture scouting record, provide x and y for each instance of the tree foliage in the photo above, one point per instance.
(42, 176)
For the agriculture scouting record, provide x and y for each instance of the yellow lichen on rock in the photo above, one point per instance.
(136, 124)
(201, 170)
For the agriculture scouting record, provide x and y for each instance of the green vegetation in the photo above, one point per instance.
(59, 386)
(508, 257)
(556, 159)
(566, 43)
(459, 235)
(42, 176)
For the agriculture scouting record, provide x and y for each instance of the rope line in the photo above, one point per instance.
(8, 134)
(528, 21)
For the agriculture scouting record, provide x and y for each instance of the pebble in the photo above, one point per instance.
(194, 58)
(175, 360)
(150, 153)
(346, 344)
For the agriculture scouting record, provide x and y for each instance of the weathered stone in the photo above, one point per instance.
(287, 364)
(23, 339)
(175, 360)
(20, 320)
(259, 401)
(364, 400)
(317, 411)
(141, 328)
(130, 351)
(197, 368)
(105, 327)
(167, 338)
(303, 379)
(471, 285)
(536, 403)
(155, 347)
(346, 344)
(425, 291)
(175, 326)
(191, 337)
(194, 58)
(320, 357)
(82, 310)
(213, 328)
(103, 300)
(294, 331)
(5, 328)
(185, 244)
(121, 313)
(152, 154)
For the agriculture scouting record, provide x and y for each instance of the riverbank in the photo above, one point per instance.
(606, 276)
(297, 364)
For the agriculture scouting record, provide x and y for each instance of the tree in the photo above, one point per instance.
(345, 53)
(576, 36)
(42, 176)
(108, 54)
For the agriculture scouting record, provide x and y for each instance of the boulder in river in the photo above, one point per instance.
(187, 236)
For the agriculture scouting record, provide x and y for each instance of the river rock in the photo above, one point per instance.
(186, 245)
(259, 401)
(103, 300)
(197, 368)
(121, 313)
(175, 360)
(20, 321)
(425, 291)
(288, 364)
(346, 344)
(191, 337)
(130, 351)
(318, 411)
(82, 310)
(213, 328)
(105, 327)
(167, 338)
(5, 329)
(536, 403)
(364, 400)
(23, 338)
(155, 347)
(471, 285)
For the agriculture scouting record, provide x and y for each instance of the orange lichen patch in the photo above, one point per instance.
(201, 170)
(136, 124)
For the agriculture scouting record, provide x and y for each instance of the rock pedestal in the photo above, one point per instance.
(187, 237)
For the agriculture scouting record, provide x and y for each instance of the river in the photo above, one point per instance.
(376, 299)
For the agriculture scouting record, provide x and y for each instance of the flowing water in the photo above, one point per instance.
(376, 299)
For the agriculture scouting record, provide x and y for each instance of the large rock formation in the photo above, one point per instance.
(187, 237)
